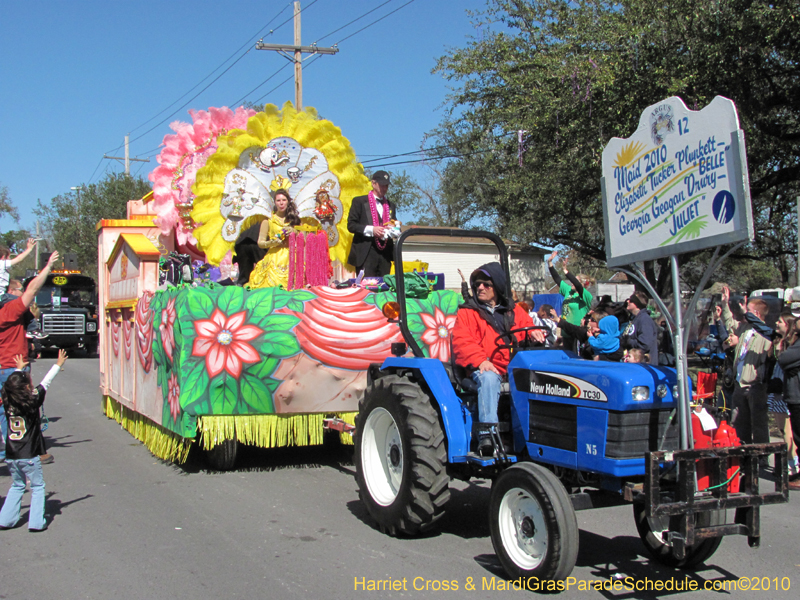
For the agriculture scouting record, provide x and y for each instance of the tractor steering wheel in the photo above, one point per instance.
(512, 345)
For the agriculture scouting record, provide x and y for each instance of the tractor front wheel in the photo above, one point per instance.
(533, 524)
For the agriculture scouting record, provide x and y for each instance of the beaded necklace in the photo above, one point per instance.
(374, 210)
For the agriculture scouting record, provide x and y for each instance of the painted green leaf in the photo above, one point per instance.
(263, 369)
(278, 322)
(272, 384)
(380, 298)
(163, 379)
(415, 324)
(158, 353)
(224, 394)
(198, 304)
(231, 300)
(448, 301)
(415, 306)
(303, 295)
(256, 394)
(280, 345)
(166, 416)
(194, 385)
(259, 303)
(280, 298)
(295, 305)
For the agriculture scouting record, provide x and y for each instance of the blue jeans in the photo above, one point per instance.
(488, 395)
(22, 468)
(4, 373)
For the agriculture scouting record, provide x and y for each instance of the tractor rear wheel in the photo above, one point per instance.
(400, 456)
(533, 524)
(651, 530)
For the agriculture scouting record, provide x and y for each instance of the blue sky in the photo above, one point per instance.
(78, 75)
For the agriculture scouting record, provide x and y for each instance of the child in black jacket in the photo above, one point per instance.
(24, 442)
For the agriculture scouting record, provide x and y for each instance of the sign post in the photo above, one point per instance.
(678, 184)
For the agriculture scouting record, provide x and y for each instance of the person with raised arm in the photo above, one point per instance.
(12, 330)
(22, 403)
(577, 299)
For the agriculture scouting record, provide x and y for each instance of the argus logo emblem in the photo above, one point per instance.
(723, 207)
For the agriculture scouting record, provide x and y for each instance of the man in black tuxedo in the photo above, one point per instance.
(371, 251)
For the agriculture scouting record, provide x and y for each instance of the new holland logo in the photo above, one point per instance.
(542, 383)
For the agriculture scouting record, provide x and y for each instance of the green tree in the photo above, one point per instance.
(572, 75)
(6, 205)
(70, 220)
(16, 241)
(429, 203)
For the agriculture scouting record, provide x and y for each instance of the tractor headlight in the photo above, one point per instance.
(661, 390)
(640, 393)
(91, 326)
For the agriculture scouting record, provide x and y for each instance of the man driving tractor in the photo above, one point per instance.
(478, 347)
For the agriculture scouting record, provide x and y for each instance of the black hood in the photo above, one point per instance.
(495, 272)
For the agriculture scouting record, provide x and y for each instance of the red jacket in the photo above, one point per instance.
(474, 339)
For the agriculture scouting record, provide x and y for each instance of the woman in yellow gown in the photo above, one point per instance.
(273, 269)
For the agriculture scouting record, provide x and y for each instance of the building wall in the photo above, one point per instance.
(527, 273)
(448, 259)
(527, 269)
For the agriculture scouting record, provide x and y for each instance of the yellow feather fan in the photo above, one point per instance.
(281, 148)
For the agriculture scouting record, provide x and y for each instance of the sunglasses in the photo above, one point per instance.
(486, 284)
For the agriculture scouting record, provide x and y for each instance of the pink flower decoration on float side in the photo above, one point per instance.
(437, 333)
(144, 331)
(184, 153)
(167, 327)
(173, 396)
(223, 341)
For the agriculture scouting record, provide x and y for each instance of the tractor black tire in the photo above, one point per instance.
(222, 457)
(400, 456)
(533, 524)
(650, 532)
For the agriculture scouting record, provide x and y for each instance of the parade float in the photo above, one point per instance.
(186, 354)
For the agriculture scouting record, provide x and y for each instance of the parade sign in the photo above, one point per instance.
(678, 184)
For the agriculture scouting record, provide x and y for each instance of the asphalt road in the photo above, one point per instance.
(289, 524)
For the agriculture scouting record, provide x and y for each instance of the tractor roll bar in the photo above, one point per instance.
(438, 232)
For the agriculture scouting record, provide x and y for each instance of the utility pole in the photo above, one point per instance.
(297, 57)
(38, 237)
(127, 157)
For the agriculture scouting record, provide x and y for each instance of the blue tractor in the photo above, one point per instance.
(581, 434)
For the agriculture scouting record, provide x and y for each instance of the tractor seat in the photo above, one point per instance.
(461, 380)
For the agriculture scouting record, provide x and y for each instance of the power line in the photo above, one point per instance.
(430, 158)
(95, 171)
(289, 78)
(190, 99)
(373, 23)
(247, 43)
(322, 38)
(353, 21)
(243, 98)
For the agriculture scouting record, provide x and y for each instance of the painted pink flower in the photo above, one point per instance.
(173, 396)
(144, 331)
(223, 341)
(167, 327)
(437, 333)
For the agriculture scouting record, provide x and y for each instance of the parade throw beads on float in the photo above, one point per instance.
(280, 148)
